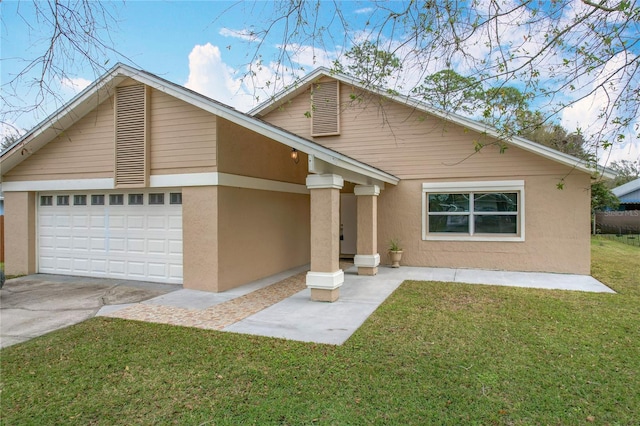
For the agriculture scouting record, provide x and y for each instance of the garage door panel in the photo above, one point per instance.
(98, 267)
(81, 266)
(47, 220)
(117, 221)
(98, 244)
(139, 242)
(63, 242)
(155, 223)
(63, 264)
(175, 247)
(80, 221)
(135, 223)
(117, 267)
(62, 221)
(135, 245)
(97, 221)
(80, 243)
(136, 269)
(117, 245)
(158, 270)
(157, 246)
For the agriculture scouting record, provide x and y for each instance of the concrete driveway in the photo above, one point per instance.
(38, 304)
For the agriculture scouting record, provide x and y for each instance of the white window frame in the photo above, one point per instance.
(472, 187)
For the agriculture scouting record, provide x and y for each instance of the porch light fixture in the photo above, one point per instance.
(294, 155)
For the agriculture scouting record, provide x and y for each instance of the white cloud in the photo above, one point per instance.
(363, 11)
(241, 89)
(586, 114)
(210, 76)
(244, 34)
(75, 84)
(309, 56)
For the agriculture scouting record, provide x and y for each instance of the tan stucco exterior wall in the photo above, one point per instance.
(419, 148)
(244, 152)
(20, 233)
(556, 230)
(261, 233)
(200, 238)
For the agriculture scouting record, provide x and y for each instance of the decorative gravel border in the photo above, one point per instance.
(218, 316)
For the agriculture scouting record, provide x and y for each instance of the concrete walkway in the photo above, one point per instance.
(280, 306)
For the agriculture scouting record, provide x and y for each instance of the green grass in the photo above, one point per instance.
(433, 353)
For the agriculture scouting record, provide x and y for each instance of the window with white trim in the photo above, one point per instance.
(473, 211)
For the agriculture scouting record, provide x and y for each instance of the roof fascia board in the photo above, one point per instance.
(482, 128)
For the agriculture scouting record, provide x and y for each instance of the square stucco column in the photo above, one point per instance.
(20, 233)
(325, 277)
(367, 258)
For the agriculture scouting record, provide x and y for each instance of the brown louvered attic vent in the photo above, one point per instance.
(131, 152)
(325, 109)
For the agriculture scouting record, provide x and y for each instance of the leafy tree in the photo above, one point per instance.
(602, 198)
(626, 171)
(451, 92)
(369, 64)
(555, 52)
(8, 140)
(501, 107)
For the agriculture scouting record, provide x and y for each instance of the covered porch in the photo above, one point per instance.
(325, 182)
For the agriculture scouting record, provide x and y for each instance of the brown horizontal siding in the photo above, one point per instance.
(85, 150)
(183, 137)
(409, 143)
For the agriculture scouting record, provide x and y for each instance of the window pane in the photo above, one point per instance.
(449, 223)
(116, 200)
(46, 200)
(79, 200)
(97, 200)
(156, 198)
(496, 224)
(175, 198)
(448, 202)
(63, 200)
(496, 202)
(136, 199)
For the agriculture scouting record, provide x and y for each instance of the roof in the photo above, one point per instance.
(629, 192)
(544, 151)
(321, 159)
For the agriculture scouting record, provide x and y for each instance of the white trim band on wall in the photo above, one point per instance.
(58, 185)
(160, 181)
(325, 280)
(366, 260)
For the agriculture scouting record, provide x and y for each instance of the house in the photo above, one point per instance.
(629, 195)
(139, 178)
(626, 220)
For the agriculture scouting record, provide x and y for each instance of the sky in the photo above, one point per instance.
(203, 45)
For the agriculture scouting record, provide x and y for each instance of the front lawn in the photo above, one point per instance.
(433, 353)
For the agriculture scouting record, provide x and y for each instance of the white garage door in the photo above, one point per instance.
(128, 235)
